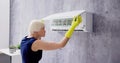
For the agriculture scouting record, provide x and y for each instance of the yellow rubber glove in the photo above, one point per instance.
(76, 21)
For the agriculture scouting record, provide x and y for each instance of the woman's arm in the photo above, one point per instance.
(43, 45)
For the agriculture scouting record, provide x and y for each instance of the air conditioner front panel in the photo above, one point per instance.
(62, 21)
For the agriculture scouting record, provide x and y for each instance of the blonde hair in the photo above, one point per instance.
(35, 26)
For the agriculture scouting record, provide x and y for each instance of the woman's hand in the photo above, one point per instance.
(76, 21)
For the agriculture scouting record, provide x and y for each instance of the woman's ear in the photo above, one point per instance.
(35, 32)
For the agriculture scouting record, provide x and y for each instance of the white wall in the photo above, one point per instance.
(4, 23)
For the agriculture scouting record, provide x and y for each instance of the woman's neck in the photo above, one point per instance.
(34, 35)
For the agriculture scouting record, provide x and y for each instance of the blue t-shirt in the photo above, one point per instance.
(29, 56)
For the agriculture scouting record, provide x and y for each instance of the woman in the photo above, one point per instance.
(32, 45)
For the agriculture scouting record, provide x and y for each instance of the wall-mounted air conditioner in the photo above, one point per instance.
(62, 21)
